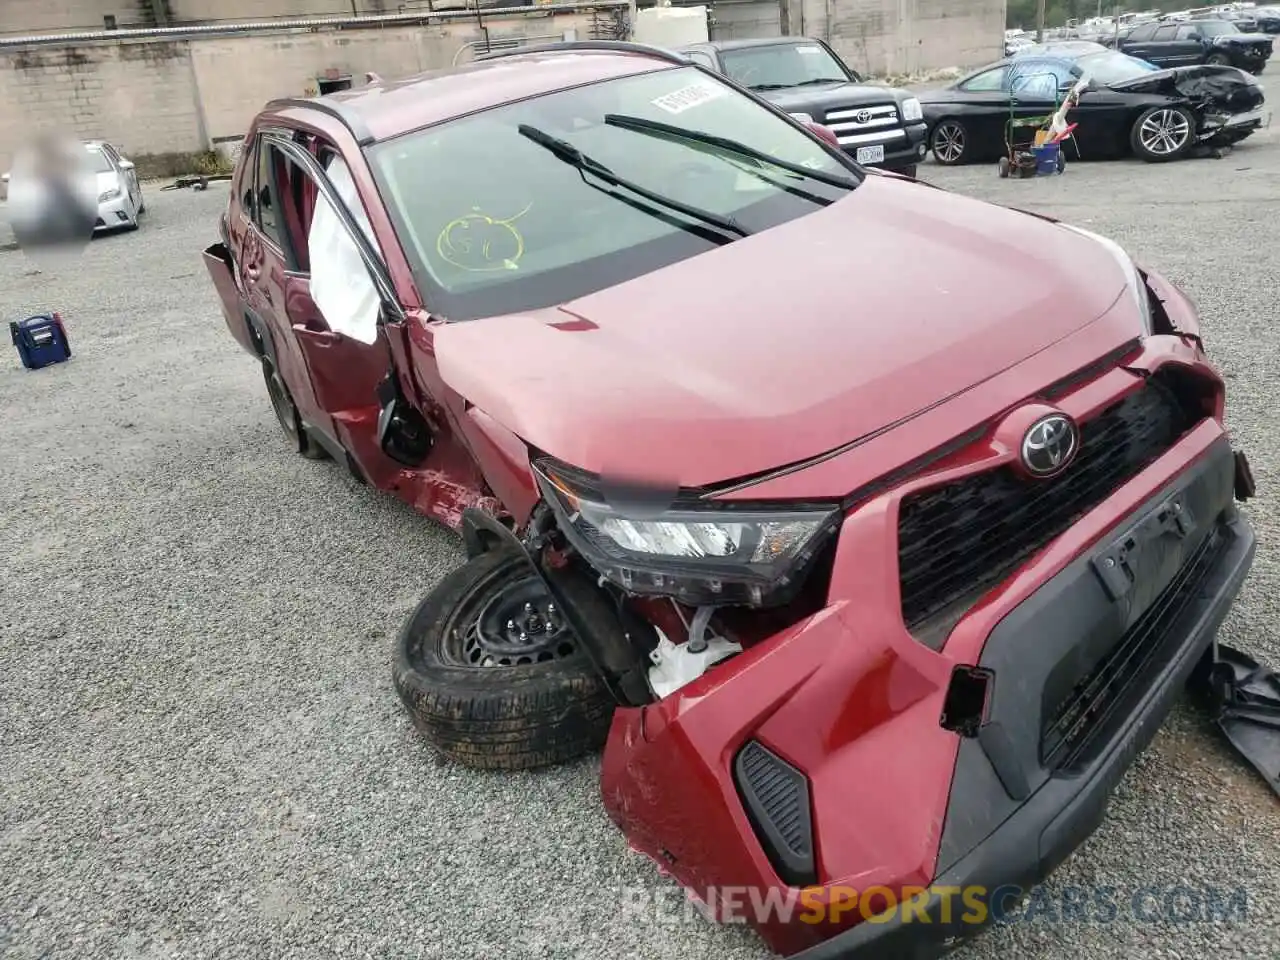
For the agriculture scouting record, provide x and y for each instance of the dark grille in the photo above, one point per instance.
(958, 541)
(1084, 716)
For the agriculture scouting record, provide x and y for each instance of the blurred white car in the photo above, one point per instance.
(119, 193)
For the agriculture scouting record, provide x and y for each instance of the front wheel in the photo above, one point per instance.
(493, 676)
(950, 143)
(1162, 134)
(1218, 60)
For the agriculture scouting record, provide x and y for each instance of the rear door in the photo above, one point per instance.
(1185, 47)
(1164, 46)
(1140, 42)
(260, 254)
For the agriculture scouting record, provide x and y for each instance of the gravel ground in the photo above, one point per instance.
(200, 751)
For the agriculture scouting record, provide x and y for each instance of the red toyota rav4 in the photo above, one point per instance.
(874, 528)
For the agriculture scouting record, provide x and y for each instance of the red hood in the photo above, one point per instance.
(788, 343)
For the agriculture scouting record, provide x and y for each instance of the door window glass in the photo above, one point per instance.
(989, 81)
(268, 206)
(1166, 33)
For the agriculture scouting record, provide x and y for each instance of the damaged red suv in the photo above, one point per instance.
(871, 529)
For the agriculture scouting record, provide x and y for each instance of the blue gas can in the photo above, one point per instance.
(41, 340)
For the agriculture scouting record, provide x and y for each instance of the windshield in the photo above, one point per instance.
(98, 160)
(776, 66)
(1111, 67)
(494, 222)
(1216, 28)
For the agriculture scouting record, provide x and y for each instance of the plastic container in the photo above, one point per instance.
(1047, 158)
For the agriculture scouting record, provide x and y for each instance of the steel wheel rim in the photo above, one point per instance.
(948, 142)
(516, 626)
(1165, 132)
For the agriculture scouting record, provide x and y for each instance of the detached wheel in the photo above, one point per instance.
(1003, 168)
(287, 414)
(493, 677)
(949, 143)
(1162, 134)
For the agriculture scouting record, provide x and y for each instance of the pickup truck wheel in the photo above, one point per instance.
(287, 414)
(1162, 134)
(949, 143)
(1218, 60)
(491, 674)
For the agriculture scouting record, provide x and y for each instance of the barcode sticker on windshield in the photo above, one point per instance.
(696, 94)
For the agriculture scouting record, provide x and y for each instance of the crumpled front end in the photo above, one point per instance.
(993, 649)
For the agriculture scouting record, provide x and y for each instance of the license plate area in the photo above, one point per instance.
(871, 154)
(1136, 566)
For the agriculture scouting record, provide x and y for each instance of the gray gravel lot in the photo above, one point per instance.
(201, 754)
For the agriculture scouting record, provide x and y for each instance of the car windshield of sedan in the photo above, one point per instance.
(780, 66)
(98, 160)
(532, 204)
(1216, 28)
(1112, 67)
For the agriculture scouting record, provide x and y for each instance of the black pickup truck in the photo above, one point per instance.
(877, 126)
(1187, 42)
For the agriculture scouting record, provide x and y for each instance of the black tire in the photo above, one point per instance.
(287, 414)
(909, 171)
(949, 142)
(1003, 168)
(1218, 60)
(501, 716)
(1163, 133)
(1257, 71)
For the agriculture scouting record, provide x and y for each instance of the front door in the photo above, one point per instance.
(330, 301)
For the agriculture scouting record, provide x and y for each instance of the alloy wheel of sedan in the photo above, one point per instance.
(1163, 133)
(950, 141)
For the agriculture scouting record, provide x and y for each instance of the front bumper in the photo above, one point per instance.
(904, 149)
(113, 214)
(987, 882)
(848, 703)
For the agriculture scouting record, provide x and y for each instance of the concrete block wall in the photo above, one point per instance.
(159, 96)
(22, 17)
(886, 37)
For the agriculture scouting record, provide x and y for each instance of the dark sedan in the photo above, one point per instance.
(1220, 42)
(1268, 19)
(1128, 106)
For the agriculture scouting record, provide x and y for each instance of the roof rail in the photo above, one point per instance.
(351, 120)
(599, 46)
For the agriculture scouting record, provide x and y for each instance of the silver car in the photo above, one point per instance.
(120, 200)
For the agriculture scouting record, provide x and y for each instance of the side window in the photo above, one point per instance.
(989, 81)
(1166, 33)
(1187, 31)
(1040, 79)
(268, 206)
(702, 59)
(1143, 33)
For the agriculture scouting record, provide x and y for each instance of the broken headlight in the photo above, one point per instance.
(1138, 291)
(718, 554)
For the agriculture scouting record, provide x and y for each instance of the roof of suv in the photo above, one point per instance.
(386, 109)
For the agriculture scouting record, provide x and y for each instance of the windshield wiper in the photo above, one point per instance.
(657, 128)
(567, 152)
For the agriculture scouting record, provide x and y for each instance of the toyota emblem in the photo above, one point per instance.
(1050, 445)
(862, 116)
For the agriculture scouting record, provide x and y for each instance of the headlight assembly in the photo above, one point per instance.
(1138, 291)
(715, 555)
(912, 112)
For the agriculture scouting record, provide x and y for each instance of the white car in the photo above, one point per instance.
(119, 194)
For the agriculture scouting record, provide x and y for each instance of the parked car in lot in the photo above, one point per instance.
(738, 504)
(1129, 107)
(1218, 42)
(120, 203)
(1267, 19)
(878, 126)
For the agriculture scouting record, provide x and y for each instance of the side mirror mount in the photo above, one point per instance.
(824, 132)
(126, 164)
